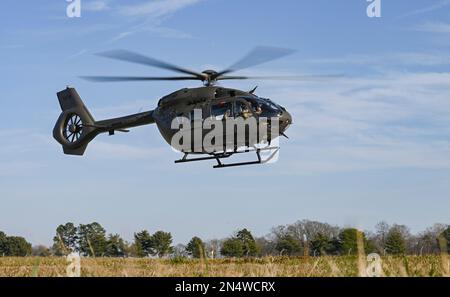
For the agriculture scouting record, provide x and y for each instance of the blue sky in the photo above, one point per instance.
(373, 146)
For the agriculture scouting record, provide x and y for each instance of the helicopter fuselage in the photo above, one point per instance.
(196, 105)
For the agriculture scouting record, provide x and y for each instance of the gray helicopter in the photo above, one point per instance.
(76, 127)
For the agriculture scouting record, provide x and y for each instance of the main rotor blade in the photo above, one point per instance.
(135, 78)
(293, 77)
(258, 55)
(132, 57)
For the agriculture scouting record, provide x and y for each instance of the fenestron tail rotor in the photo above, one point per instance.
(73, 128)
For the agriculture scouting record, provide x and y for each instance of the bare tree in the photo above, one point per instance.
(427, 241)
(212, 248)
(305, 231)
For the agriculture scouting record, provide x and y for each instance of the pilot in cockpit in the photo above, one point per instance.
(258, 109)
(246, 113)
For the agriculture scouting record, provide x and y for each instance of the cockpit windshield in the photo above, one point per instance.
(263, 107)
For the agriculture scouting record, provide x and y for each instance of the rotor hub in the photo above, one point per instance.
(73, 128)
(211, 77)
(210, 72)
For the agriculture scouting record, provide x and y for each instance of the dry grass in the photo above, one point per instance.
(268, 266)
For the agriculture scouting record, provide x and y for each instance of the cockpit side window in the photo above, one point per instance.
(256, 105)
(262, 106)
(270, 105)
(241, 109)
(221, 110)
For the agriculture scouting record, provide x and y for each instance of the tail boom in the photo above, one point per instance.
(76, 127)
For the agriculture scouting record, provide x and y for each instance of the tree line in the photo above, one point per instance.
(302, 238)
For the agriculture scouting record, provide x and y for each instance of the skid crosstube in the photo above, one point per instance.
(219, 156)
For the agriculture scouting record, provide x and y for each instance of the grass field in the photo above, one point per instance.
(433, 265)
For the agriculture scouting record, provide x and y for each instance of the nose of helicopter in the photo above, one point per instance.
(285, 121)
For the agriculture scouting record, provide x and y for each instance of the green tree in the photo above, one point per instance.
(370, 246)
(249, 247)
(321, 244)
(65, 240)
(196, 247)
(232, 247)
(444, 239)
(2, 244)
(348, 241)
(266, 246)
(17, 247)
(130, 250)
(142, 243)
(160, 243)
(115, 246)
(242, 244)
(92, 239)
(287, 244)
(395, 242)
(14, 246)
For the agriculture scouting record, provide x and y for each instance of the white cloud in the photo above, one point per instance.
(130, 107)
(427, 9)
(154, 13)
(434, 27)
(397, 120)
(110, 151)
(154, 29)
(354, 158)
(19, 168)
(156, 8)
(122, 35)
(390, 59)
(18, 148)
(169, 33)
(77, 54)
(95, 5)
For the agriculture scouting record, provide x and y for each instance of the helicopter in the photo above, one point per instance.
(76, 126)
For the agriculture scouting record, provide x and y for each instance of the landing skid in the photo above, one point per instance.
(223, 155)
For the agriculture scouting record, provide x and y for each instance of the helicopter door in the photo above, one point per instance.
(219, 112)
(243, 109)
(197, 135)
